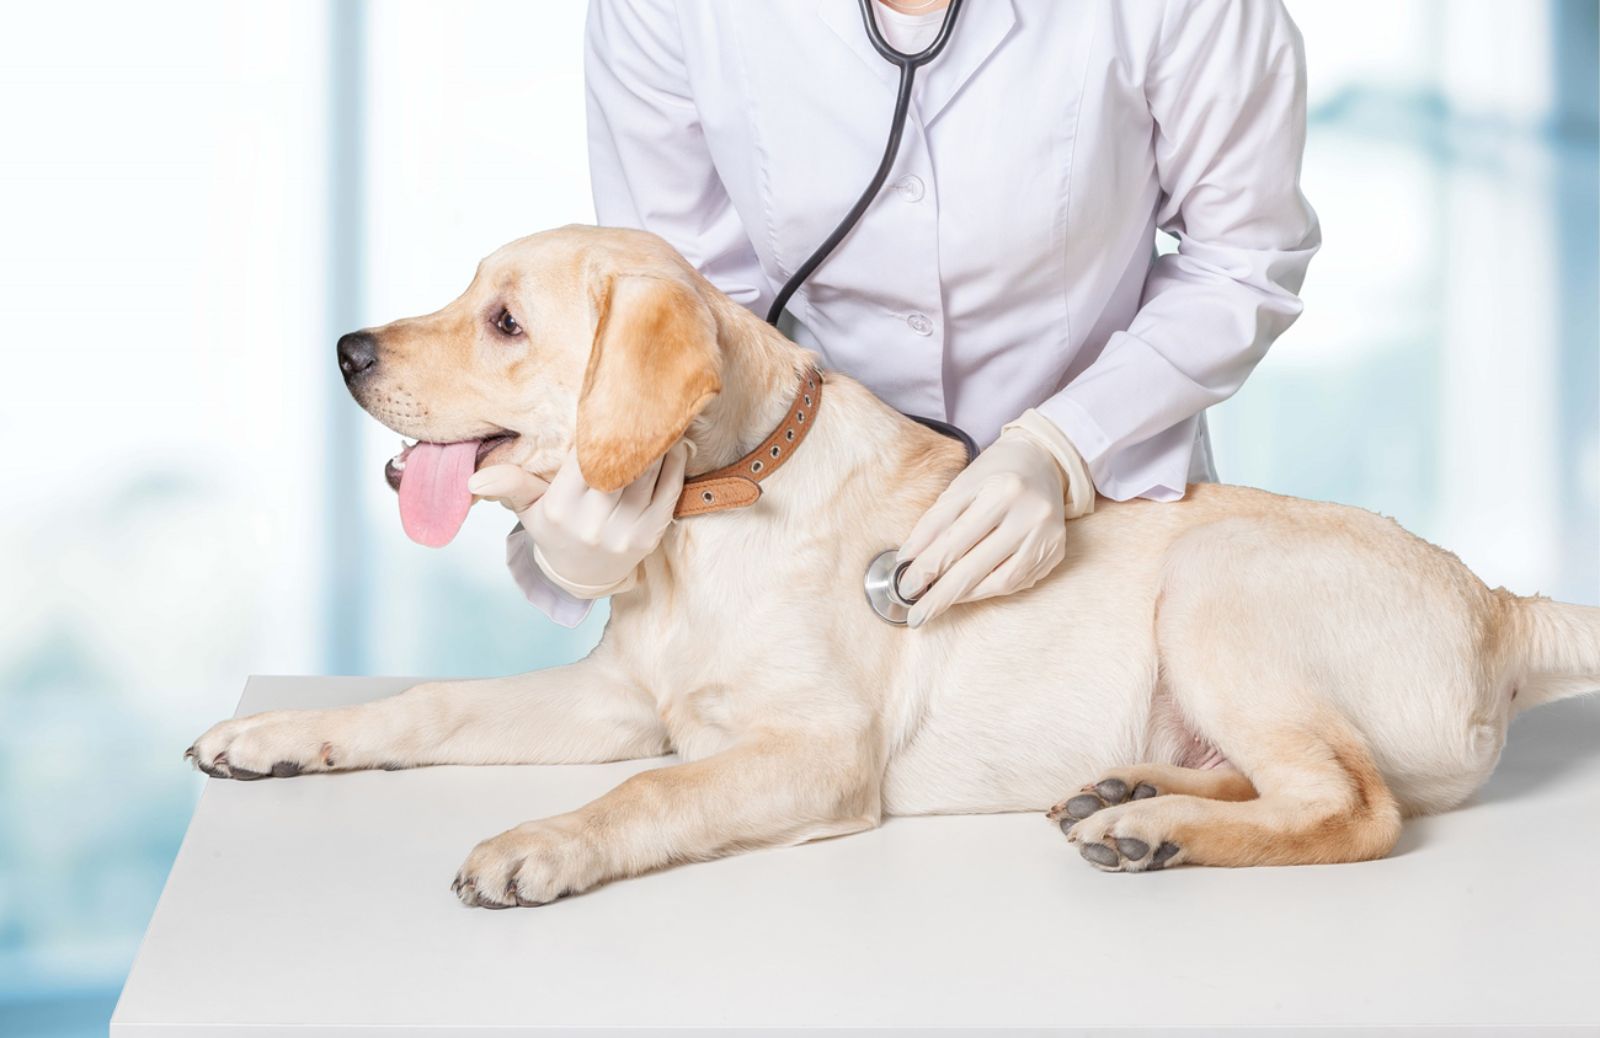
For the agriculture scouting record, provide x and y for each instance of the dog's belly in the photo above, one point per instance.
(1052, 740)
(1028, 711)
(1025, 698)
(955, 772)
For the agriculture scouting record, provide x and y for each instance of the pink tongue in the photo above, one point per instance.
(434, 498)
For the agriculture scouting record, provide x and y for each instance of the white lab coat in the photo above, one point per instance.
(1010, 261)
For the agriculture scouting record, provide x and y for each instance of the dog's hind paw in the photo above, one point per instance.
(1128, 836)
(1096, 796)
(1128, 854)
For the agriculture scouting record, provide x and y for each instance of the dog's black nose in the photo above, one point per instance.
(358, 352)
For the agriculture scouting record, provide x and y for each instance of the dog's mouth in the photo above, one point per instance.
(431, 479)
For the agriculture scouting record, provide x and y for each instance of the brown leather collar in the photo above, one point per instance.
(739, 484)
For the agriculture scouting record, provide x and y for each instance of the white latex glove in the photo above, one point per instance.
(511, 485)
(999, 527)
(588, 542)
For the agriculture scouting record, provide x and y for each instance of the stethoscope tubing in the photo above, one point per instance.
(908, 62)
(908, 65)
(882, 579)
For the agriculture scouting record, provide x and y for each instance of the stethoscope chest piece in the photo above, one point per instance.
(882, 584)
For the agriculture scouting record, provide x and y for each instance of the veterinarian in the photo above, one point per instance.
(1006, 278)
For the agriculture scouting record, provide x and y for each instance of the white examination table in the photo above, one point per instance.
(320, 907)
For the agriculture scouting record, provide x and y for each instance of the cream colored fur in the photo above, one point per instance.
(1349, 672)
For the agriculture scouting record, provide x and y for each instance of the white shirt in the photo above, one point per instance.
(908, 31)
(1009, 262)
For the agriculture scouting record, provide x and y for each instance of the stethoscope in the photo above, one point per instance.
(908, 65)
(882, 582)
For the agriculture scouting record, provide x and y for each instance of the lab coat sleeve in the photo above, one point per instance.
(649, 164)
(1226, 90)
(564, 608)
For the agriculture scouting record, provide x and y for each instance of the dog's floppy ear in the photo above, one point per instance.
(652, 368)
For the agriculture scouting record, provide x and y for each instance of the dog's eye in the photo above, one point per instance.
(508, 324)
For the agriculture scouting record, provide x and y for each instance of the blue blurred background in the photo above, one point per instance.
(195, 198)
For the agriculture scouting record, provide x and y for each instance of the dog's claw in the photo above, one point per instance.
(218, 768)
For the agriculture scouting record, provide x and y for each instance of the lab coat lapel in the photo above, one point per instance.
(979, 32)
(982, 27)
(844, 18)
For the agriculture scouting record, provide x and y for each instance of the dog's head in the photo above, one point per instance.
(598, 339)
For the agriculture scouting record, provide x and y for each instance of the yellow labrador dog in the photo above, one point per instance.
(1234, 679)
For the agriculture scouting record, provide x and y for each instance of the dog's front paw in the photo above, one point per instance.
(533, 864)
(276, 744)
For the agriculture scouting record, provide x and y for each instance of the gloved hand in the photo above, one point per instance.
(511, 485)
(588, 543)
(1000, 526)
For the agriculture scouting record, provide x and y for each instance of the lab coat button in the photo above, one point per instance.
(910, 188)
(920, 324)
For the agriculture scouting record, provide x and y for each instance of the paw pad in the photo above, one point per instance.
(1083, 805)
(1103, 794)
(1112, 791)
(1133, 850)
(1126, 854)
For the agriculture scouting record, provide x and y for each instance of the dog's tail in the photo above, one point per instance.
(1555, 650)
